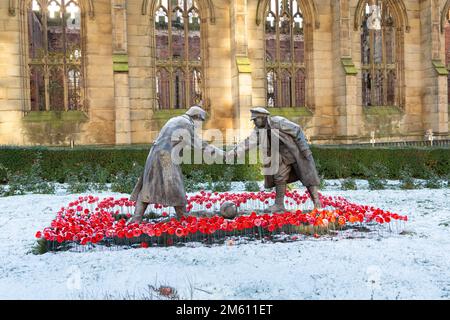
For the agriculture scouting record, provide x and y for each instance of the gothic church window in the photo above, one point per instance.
(179, 75)
(55, 55)
(379, 66)
(285, 54)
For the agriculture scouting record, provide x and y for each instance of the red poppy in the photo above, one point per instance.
(137, 232)
(179, 232)
(129, 234)
(144, 245)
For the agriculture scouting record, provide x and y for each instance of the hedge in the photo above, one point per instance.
(57, 164)
(332, 162)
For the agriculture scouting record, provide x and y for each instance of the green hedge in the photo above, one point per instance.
(342, 162)
(57, 164)
(332, 162)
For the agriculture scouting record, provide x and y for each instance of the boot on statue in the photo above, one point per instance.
(139, 212)
(314, 192)
(180, 211)
(280, 191)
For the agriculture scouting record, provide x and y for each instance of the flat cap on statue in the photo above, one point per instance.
(196, 111)
(258, 111)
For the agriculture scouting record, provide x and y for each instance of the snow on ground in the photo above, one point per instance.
(391, 266)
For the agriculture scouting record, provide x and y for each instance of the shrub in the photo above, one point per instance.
(3, 174)
(406, 181)
(75, 185)
(88, 178)
(32, 181)
(99, 177)
(22, 184)
(375, 176)
(251, 186)
(376, 183)
(432, 180)
(223, 184)
(44, 188)
(36, 183)
(348, 184)
(17, 185)
(380, 170)
(125, 182)
(196, 180)
(323, 183)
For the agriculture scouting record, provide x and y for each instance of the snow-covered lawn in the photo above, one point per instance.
(415, 265)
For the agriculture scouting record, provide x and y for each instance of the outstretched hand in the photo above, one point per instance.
(229, 156)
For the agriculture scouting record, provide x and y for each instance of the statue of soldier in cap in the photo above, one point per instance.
(162, 179)
(294, 158)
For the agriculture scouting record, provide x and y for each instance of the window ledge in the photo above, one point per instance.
(349, 66)
(168, 113)
(53, 116)
(382, 110)
(290, 112)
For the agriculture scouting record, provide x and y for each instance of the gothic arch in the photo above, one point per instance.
(205, 6)
(392, 66)
(86, 6)
(308, 8)
(398, 9)
(444, 15)
(86, 9)
(302, 91)
(190, 64)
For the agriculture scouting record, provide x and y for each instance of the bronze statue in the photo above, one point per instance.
(162, 179)
(295, 160)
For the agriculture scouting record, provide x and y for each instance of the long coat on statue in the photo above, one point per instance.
(291, 135)
(162, 180)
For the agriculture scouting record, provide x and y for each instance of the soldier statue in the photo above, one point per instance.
(162, 179)
(294, 157)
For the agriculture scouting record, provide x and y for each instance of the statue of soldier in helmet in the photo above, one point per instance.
(293, 156)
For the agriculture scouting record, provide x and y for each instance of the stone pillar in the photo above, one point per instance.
(121, 79)
(11, 76)
(241, 77)
(435, 106)
(348, 111)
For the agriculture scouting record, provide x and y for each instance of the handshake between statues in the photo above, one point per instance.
(290, 160)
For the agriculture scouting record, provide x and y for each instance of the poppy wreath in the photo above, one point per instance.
(89, 220)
